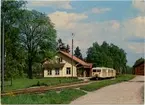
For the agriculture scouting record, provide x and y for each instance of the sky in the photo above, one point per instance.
(119, 22)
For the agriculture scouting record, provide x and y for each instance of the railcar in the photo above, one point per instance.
(103, 72)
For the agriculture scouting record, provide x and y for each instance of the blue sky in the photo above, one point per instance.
(119, 22)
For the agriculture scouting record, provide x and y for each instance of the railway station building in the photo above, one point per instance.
(66, 65)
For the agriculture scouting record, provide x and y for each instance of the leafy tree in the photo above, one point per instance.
(37, 36)
(62, 47)
(29, 38)
(94, 55)
(119, 58)
(78, 53)
(10, 12)
(37, 69)
(105, 47)
(107, 55)
(67, 48)
(129, 70)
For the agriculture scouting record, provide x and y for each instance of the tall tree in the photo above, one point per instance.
(119, 58)
(62, 47)
(129, 70)
(108, 56)
(78, 53)
(60, 44)
(94, 54)
(67, 48)
(13, 52)
(37, 36)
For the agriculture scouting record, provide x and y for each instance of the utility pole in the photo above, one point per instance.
(2, 57)
(72, 53)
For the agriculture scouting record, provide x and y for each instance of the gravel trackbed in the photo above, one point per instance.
(122, 93)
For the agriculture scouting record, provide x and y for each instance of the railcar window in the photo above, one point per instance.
(94, 70)
(98, 70)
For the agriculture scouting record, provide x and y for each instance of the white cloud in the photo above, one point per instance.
(64, 20)
(135, 26)
(137, 47)
(139, 4)
(85, 33)
(112, 31)
(115, 25)
(100, 10)
(49, 3)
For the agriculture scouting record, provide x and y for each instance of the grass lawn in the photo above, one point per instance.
(99, 84)
(65, 96)
(51, 97)
(25, 82)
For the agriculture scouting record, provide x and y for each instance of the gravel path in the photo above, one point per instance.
(121, 93)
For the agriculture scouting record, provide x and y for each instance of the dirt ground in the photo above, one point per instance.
(122, 93)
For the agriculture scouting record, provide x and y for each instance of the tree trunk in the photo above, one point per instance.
(11, 81)
(30, 75)
(42, 69)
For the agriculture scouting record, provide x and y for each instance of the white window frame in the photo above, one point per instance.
(68, 72)
(57, 71)
(49, 72)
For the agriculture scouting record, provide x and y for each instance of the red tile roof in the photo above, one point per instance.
(85, 64)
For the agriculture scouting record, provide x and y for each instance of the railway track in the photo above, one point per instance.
(42, 89)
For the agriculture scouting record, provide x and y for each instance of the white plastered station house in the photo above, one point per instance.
(62, 64)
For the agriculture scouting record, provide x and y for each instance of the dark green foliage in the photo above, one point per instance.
(39, 84)
(80, 72)
(62, 47)
(60, 44)
(78, 53)
(29, 38)
(129, 70)
(67, 48)
(108, 56)
(37, 70)
(37, 37)
(50, 97)
(14, 54)
(100, 84)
